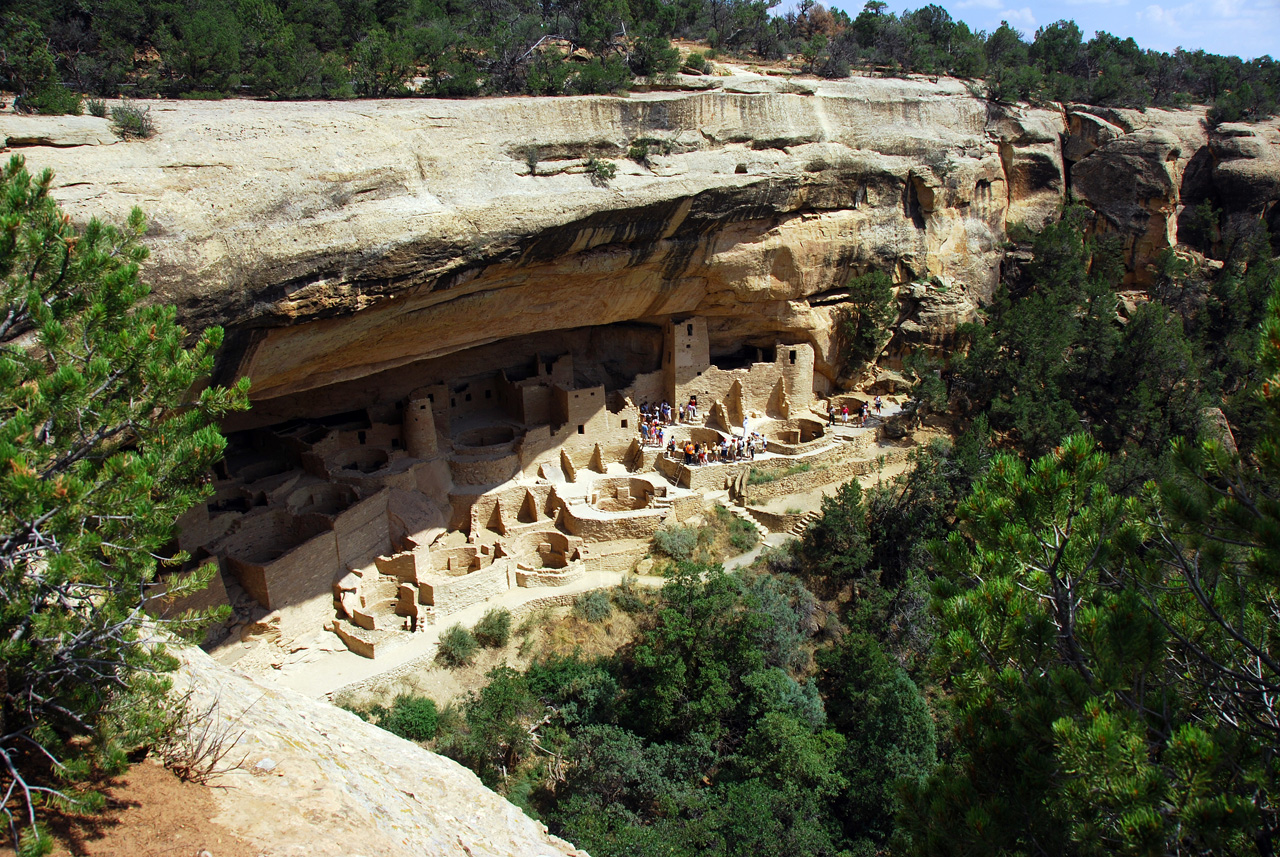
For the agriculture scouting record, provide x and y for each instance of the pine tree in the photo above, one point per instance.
(102, 447)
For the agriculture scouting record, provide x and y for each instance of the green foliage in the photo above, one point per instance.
(1098, 658)
(742, 536)
(891, 740)
(863, 321)
(1052, 357)
(494, 735)
(838, 545)
(593, 606)
(324, 49)
(677, 541)
(380, 64)
(652, 54)
(55, 100)
(412, 717)
(602, 77)
(131, 122)
(696, 63)
(600, 170)
(457, 646)
(97, 107)
(102, 447)
(494, 628)
(627, 598)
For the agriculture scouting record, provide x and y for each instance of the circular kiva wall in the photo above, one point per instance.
(485, 439)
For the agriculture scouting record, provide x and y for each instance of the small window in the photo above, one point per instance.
(431, 397)
(422, 407)
(488, 394)
(689, 329)
(453, 402)
(395, 443)
(468, 397)
(793, 357)
(582, 429)
(624, 423)
(688, 345)
(360, 436)
(593, 394)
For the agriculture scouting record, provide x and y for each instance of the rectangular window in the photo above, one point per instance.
(468, 397)
(360, 436)
(582, 429)
(624, 423)
(689, 328)
(488, 394)
(793, 357)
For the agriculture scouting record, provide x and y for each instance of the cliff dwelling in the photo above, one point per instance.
(379, 521)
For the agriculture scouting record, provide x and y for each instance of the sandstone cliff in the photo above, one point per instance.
(320, 781)
(338, 242)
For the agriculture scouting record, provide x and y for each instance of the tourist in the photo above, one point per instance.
(844, 414)
(831, 413)
(878, 404)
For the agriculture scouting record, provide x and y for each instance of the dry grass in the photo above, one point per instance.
(549, 631)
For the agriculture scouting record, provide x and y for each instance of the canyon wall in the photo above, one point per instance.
(349, 247)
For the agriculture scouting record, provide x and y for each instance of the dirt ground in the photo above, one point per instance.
(150, 813)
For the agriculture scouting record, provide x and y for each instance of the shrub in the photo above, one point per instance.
(494, 630)
(676, 541)
(53, 100)
(626, 597)
(742, 535)
(97, 107)
(593, 606)
(198, 742)
(132, 122)
(457, 647)
(601, 171)
(696, 63)
(760, 477)
(412, 717)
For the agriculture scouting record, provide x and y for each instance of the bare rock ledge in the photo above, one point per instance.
(319, 781)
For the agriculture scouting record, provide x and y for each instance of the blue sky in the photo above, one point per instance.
(1245, 28)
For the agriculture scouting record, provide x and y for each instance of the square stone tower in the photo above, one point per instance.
(686, 354)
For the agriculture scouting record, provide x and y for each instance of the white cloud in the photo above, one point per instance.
(980, 4)
(1020, 17)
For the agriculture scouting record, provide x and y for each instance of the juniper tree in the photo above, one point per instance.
(102, 447)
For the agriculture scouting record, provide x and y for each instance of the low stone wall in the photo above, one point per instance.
(618, 557)
(535, 578)
(353, 640)
(828, 473)
(774, 522)
(620, 525)
(451, 594)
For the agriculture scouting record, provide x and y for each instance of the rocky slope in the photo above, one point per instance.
(316, 780)
(339, 242)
